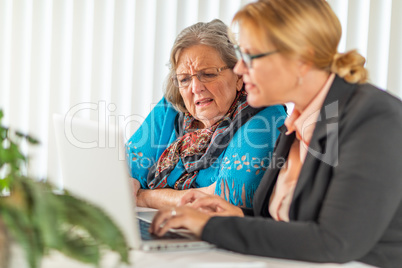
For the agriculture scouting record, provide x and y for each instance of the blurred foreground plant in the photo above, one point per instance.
(40, 220)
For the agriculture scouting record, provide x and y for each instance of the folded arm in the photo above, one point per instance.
(161, 198)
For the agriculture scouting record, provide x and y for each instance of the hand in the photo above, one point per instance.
(136, 186)
(210, 204)
(159, 198)
(162, 198)
(191, 196)
(180, 217)
(217, 206)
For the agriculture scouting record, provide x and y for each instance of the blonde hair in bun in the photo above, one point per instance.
(304, 29)
(350, 66)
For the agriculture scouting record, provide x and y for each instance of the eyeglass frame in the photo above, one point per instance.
(177, 84)
(248, 58)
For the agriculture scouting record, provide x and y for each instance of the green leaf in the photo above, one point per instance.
(29, 138)
(98, 225)
(5, 183)
(23, 232)
(32, 140)
(19, 134)
(3, 133)
(45, 211)
(79, 248)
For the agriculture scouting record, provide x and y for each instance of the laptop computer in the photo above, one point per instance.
(93, 167)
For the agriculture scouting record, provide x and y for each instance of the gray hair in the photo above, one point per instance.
(213, 34)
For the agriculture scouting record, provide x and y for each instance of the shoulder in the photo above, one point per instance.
(369, 100)
(371, 112)
(160, 121)
(164, 106)
(163, 115)
(274, 110)
(260, 132)
(275, 114)
(269, 118)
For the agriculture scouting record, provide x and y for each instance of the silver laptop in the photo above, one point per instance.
(93, 166)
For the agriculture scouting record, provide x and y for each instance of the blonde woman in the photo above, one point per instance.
(337, 198)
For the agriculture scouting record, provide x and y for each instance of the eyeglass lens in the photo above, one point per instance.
(204, 76)
(244, 57)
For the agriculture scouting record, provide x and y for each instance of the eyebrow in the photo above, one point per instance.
(203, 68)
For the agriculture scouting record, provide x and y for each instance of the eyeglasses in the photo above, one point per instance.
(248, 58)
(204, 76)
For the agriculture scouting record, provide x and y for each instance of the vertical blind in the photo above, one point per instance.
(107, 58)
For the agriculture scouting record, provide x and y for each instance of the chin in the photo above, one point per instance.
(254, 101)
(207, 119)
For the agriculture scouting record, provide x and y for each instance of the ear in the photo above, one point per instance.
(304, 67)
(239, 83)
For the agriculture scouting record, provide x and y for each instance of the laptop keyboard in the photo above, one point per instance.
(146, 235)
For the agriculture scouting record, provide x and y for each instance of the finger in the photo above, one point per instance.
(186, 199)
(217, 206)
(190, 197)
(159, 219)
(171, 223)
(210, 202)
(207, 210)
(187, 218)
(154, 222)
(227, 209)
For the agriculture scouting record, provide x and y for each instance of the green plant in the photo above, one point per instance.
(40, 220)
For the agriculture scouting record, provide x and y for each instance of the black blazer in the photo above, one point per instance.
(347, 201)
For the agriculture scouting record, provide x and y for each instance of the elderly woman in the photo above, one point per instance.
(338, 198)
(202, 134)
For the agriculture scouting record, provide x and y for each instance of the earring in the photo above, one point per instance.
(299, 81)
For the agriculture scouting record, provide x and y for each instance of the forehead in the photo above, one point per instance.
(251, 38)
(198, 57)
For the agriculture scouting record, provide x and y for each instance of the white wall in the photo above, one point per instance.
(63, 55)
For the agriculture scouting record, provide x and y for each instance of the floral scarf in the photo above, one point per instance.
(198, 149)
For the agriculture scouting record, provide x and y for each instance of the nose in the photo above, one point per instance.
(240, 67)
(196, 85)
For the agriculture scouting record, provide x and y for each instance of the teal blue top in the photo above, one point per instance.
(237, 171)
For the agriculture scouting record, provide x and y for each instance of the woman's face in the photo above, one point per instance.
(207, 102)
(271, 79)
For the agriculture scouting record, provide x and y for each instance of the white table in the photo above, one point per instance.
(209, 258)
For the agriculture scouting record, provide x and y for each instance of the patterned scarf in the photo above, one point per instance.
(198, 149)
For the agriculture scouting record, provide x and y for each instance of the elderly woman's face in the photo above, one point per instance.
(207, 102)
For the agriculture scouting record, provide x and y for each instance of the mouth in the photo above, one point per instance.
(203, 102)
(249, 87)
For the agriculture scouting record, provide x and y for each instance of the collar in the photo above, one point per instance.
(303, 123)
